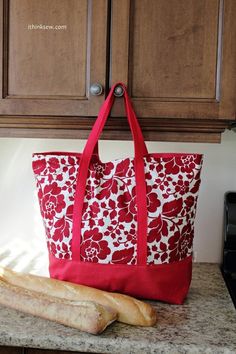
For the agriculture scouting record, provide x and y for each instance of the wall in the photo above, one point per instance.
(20, 220)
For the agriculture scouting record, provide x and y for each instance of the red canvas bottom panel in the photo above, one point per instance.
(165, 282)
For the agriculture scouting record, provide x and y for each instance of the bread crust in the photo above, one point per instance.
(86, 316)
(130, 310)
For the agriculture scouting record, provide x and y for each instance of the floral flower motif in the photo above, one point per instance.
(186, 163)
(64, 250)
(108, 187)
(101, 169)
(52, 248)
(109, 216)
(171, 166)
(39, 166)
(173, 208)
(127, 206)
(51, 200)
(189, 201)
(123, 256)
(158, 227)
(54, 164)
(122, 168)
(153, 202)
(181, 244)
(69, 212)
(62, 229)
(181, 186)
(132, 236)
(93, 247)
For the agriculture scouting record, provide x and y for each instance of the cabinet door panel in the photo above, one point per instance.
(47, 62)
(176, 56)
(53, 50)
(181, 43)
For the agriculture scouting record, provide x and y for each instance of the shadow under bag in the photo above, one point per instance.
(125, 225)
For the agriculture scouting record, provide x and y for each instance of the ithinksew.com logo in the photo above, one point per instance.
(44, 27)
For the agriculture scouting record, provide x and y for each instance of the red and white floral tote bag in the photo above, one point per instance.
(125, 225)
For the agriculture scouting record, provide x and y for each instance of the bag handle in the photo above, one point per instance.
(140, 146)
(140, 151)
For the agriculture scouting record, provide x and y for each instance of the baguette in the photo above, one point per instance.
(83, 315)
(130, 310)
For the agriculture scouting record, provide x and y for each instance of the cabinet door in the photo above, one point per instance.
(178, 57)
(51, 53)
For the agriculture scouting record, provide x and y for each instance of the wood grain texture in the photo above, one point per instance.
(116, 128)
(227, 106)
(181, 57)
(180, 136)
(178, 58)
(173, 48)
(49, 72)
(44, 62)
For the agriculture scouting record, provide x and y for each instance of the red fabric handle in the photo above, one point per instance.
(140, 151)
(140, 146)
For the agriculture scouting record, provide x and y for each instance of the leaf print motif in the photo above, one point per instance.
(123, 256)
(173, 208)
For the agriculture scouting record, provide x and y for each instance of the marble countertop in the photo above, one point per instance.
(206, 323)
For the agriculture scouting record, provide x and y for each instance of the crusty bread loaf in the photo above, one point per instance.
(130, 310)
(83, 315)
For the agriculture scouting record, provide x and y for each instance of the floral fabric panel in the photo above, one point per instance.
(109, 222)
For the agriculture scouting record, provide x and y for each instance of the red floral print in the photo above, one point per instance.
(94, 247)
(186, 163)
(52, 201)
(39, 166)
(124, 256)
(153, 202)
(171, 166)
(53, 164)
(107, 188)
(101, 169)
(179, 244)
(62, 229)
(172, 208)
(127, 206)
(109, 216)
(122, 168)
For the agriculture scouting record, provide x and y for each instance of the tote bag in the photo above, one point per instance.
(125, 225)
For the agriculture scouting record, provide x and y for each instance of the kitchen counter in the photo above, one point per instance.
(206, 323)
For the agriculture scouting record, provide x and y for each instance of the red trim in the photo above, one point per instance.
(159, 154)
(174, 154)
(57, 153)
(166, 282)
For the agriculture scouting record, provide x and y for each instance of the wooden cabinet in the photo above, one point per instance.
(177, 57)
(179, 62)
(48, 71)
